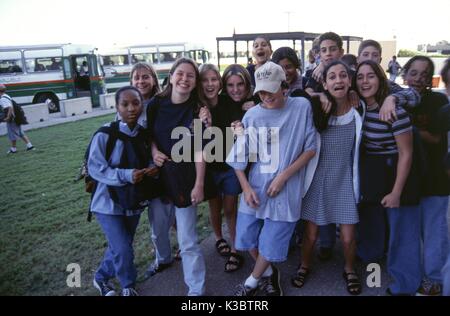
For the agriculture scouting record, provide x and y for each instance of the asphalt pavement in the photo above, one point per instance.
(325, 279)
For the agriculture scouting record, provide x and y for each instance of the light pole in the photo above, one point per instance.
(289, 19)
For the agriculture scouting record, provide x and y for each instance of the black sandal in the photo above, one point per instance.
(223, 248)
(300, 278)
(353, 283)
(234, 262)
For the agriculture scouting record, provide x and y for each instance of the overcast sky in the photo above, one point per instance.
(105, 22)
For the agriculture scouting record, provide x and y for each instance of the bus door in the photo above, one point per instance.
(69, 78)
(80, 70)
(96, 82)
(87, 77)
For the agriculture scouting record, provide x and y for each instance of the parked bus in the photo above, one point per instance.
(117, 64)
(50, 73)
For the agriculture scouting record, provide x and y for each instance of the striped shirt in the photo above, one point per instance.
(379, 137)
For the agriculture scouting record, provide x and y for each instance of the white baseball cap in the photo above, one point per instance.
(269, 77)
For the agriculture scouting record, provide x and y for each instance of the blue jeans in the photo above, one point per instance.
(403, 262)
(192, 258)
(118, 260)
(371, 233)
(446, 278)
(434, 235)
(161, 217)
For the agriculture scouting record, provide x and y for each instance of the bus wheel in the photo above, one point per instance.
(51, 101)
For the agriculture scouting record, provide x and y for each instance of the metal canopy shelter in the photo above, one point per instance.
(294, 36)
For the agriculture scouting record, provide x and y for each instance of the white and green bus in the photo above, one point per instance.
(50, 73)
(117, 64)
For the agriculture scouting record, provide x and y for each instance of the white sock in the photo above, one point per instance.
(251, 282)
(29, 145)
(268, 271)
(13, 149)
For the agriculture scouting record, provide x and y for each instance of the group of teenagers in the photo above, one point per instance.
(351, 148)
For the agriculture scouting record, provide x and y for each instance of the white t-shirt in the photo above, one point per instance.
(5, 102)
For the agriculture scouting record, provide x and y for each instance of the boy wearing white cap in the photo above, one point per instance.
(278, 142)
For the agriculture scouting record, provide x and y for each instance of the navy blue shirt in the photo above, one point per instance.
(164, 116)
(425, 117)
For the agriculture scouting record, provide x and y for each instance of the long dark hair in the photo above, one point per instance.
(167, 92)
(241, 72)
(323, 118)
(383, 88)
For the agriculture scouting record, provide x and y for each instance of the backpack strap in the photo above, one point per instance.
(113, 133)
(152, 112)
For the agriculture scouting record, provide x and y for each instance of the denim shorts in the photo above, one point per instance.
(226, 182)
(14, 131)
(271, 238)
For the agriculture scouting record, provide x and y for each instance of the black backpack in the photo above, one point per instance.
(3, 113)
(135, 155)
(19, 114)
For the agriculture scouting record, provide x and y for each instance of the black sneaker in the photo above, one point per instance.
(243, 290)
(271, 285)
(129, 291)
(104, 288)
(30, 148)
(155, 268)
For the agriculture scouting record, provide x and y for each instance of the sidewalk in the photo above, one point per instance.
(55, 119)
(325, 278)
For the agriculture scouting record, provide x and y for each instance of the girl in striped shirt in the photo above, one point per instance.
(389, 186)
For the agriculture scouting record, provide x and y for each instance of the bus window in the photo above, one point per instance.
(145, 57)
(115, 60)
(67, 71)
(43, 64)
(12, 63)
(205, 56)
(170, 57)
(200, 56)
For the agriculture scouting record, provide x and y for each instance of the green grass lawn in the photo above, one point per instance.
(43, 225)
